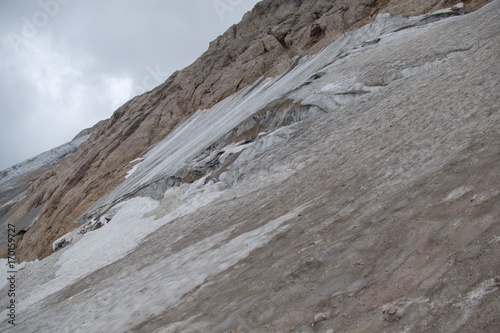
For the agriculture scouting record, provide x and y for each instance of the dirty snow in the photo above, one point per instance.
(138, 292)
(458, 193)
(153, 289)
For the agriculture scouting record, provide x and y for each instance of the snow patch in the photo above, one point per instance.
(474, 298)
(136, 295)
(137, 160)
(132, 222)
(111, 242)
(458, 193)
(137, 163)
(131, 172)
(495, 240)
(131, 300)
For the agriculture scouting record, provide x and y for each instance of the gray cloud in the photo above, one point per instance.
(66, 64)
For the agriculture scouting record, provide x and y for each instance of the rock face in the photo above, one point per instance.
(356, 192)
(16, 180)
(263, 44)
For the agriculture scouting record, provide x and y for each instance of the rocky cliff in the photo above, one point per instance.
(347, 188)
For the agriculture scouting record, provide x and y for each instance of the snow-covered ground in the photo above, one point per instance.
(159, 286)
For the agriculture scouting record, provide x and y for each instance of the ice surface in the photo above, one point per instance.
(136, 160)
(330, 87)
(130, 300)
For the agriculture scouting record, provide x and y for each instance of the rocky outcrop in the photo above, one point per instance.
(265, 43)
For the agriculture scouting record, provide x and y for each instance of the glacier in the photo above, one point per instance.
(197, 133)
(160, 253)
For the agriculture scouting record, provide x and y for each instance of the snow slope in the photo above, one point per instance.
(317, 216)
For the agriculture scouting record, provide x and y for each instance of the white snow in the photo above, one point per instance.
(100, 247)
(234, 149)
(70, 237)
(112, 241)
(135, 167)
(131, 172)
(176, 275)
(137, 160)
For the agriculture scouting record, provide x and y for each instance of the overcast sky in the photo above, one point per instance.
(66, 64)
